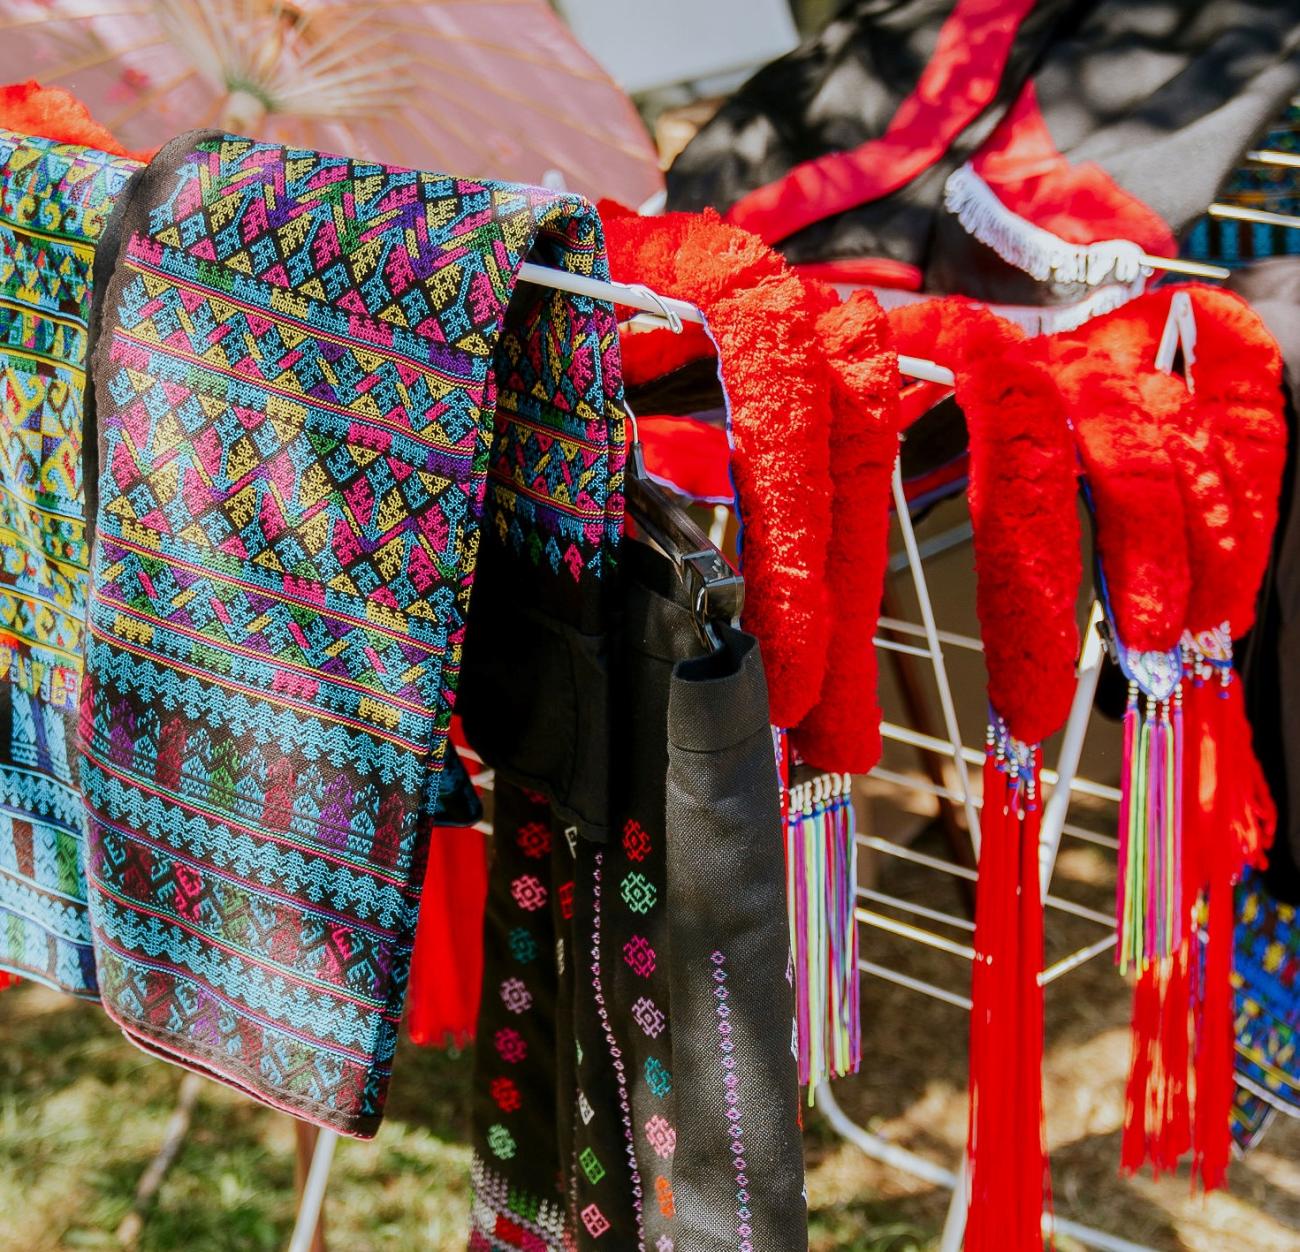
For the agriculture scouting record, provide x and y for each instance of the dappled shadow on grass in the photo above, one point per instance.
(431, 1090)
(861, 1226)
(50, 1041)
(82, 1113)
(226, 1192)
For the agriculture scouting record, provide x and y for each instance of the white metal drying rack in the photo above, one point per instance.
(1061, 782)
(673, 313)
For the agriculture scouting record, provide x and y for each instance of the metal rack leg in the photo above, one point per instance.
(313, 1194)
(936, 652)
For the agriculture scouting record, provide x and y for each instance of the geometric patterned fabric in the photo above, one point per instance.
(54, 200)
(1266, 974)
(304, 370)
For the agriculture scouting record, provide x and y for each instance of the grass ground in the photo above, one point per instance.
(82, 1113)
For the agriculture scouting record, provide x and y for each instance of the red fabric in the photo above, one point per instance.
(693, 457)
(960, 79)
(777, 385)
(1033, 1177)
(1009, 1178)
(1185, 483)
(842, 732)
(1026, 541)
(447, 963)
(917, 398)
(650, 354)
(54, 113)
(875, 271)
(1081, 203)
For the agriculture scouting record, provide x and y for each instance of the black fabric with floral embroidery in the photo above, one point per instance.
(635, 1086)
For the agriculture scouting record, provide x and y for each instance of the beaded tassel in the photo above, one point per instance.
(821, 894)
(1189, 766)
(1149, 887)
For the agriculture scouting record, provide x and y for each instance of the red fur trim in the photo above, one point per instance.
(53, 113)
(1238, 376)
(1137, 497)
(1022, 486)
(843, 730)
(1220, 448)
(776, 383)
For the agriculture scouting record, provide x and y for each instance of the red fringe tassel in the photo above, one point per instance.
(1009, 1176)
(1227, 821)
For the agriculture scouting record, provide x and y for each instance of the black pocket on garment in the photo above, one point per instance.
(534, 705)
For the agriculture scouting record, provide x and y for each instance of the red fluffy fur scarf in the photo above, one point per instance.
(1184, 479)
(1026, 537)
(53, 113)
(789, 460)
(777, 386)
(1022, 482)
(842, 732)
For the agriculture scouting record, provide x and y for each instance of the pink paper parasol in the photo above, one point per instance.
(479, 88)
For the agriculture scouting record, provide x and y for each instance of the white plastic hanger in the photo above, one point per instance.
(1179, 332)
(674, 312)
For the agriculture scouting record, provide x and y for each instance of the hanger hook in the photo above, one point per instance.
(670, 316)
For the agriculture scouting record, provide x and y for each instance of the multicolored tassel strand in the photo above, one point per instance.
(821, 891)
(1194, 810)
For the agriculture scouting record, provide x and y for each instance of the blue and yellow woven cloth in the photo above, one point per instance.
(307, 371)
(1266, 973)
(54, 201)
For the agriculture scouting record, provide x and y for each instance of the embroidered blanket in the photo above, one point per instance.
(1266, 975)
(54, 199)
(298, 362)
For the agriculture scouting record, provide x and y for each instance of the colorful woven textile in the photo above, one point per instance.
(54, 198)
(1267, 978)
(296, 374)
